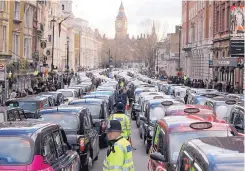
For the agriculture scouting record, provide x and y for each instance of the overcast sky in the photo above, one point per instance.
(101, 14)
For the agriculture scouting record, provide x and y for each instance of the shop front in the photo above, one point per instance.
(228, 70)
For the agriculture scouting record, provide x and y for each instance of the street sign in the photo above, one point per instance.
(1, 66)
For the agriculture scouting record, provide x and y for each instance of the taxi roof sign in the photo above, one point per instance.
(158, 97)
(191, 110)
(230, 102)
(201, 125)
(210, 95)
(167, 103)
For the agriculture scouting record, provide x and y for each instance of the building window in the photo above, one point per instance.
(63, 7)
(228, 17)
(4, 33)
(217, 21)
(17, 10)
(27, 48)
(28, 16)
(223, 20)
(16, 46)
(49, 38)
(2, 5)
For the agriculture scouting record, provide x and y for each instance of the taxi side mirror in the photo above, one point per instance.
(158, 157)
(142, 118)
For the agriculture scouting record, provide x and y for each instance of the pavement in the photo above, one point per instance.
(140, 157)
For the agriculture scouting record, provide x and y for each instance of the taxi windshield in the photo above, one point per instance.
(28, 106)
(200, 100)
(66, 121)
(95, 110)
(222, 109)
(156, 112)
(67, 93)
(15, 151)
(178, 139)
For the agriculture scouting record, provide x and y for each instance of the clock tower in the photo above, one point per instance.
(121, 25)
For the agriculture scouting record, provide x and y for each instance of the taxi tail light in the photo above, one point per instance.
(41, 105)
(103, 126)
(82, 144)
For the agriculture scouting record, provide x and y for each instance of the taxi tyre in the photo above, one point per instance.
(133, 117)
(147, 148)
(137, 123)
(87, 166)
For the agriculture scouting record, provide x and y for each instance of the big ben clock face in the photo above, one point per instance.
(119, 25)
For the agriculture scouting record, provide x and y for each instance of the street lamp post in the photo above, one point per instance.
(179, 46)
(52, 62)
(67, 59)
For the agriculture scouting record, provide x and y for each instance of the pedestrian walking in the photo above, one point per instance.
(119, 154)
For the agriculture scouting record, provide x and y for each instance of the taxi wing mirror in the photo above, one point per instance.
(158, 157)
(239, 127)
(65, 99)
(142, 118)
(137, 107)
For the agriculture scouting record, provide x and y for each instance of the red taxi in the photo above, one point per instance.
(171, 132)
(202, 111)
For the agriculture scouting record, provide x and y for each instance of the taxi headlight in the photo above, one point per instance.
(151, 133)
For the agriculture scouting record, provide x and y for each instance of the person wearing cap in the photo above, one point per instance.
(123, 119)
(119, 154)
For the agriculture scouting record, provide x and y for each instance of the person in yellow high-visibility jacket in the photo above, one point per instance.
(119, 154)
(123, 119)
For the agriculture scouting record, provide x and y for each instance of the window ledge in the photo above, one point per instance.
(18, 21)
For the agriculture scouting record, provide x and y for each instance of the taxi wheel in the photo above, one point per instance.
(96, 158)
(89, 165)
(147, 148)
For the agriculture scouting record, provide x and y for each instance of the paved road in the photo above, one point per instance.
(139, 155)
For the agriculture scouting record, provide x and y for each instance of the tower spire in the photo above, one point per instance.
(121, 6)
(153, 27)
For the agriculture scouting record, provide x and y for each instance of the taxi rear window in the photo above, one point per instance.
(70, 122)
(15, 151)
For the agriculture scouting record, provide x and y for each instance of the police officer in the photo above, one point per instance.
(119, 154)
(123, 119)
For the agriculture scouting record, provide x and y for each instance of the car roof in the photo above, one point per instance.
(156, 101)
(96, 95)
(29, 98)
(182, 123)
(87, 101)
(220, 150)
(222, 99)
(64, 108)
(22, 127)
(68, 89)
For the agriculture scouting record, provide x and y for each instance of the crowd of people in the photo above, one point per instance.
(212, 84)
(40, 84)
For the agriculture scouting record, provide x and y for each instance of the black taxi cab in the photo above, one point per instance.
(100, 114)
(35, 146)
(171, 132)
(236, 118)
(30, 104)
(212, 154)
(12, 114)
(78, 126)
